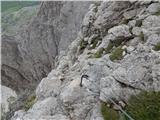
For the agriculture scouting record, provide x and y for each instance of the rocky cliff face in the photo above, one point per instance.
(30, 55)
(117, 47)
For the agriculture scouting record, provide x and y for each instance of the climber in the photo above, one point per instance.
(83, 76)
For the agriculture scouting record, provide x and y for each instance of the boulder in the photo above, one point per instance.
(153, 8)
(153, 40)
(120, 31)
(42, 109)
(134, 74)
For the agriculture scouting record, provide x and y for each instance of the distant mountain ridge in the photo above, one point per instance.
(16, 5)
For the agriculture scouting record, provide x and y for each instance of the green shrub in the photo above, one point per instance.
(119, 41)
(157, 47)
(99, 53)
(117, 54)
(94, 42)
(109, 47)
(109, 113)
(83, 45)
(29, 102)
(144, 106)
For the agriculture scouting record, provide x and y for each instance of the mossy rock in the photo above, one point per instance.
(117, 54)
(157, 47)
(109, 113)
(29, 102)
(144, 106)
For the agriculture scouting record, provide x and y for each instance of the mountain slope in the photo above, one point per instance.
(117, 48)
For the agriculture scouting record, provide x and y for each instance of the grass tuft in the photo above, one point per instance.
(94, 42)
(157, 47)
(29, 102)
(109, 47)
(144, 106)
(83, 45)
(142, 37)
(117, 54)
(108, 113)
(99, 53)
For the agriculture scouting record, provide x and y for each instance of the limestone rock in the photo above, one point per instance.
(8, 96)
(136, 31)
(137, 70)
(106, 40)
(42, 109)
(35, 47)
(131, 77)
(121, 30)
(46, 88)
(153, 40)
(153, 8)
(132, 23)
(130, 49)
(151, 21)
(130, 14)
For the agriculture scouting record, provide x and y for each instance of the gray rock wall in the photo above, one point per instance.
(135, 69)
(30, 55)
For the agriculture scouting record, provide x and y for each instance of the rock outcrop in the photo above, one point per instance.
(30, 55)
(8, 96)
(115, 47)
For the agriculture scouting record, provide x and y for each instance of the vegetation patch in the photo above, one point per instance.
(99, 53)
(29, 102)
(119, 41)
(109, 47)
(157, 47)
(109, 113)
(144, 106)
(142, 37)
(95, 41)
(83, 45)
(117, 54)
(157, 13)
(138, 23)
